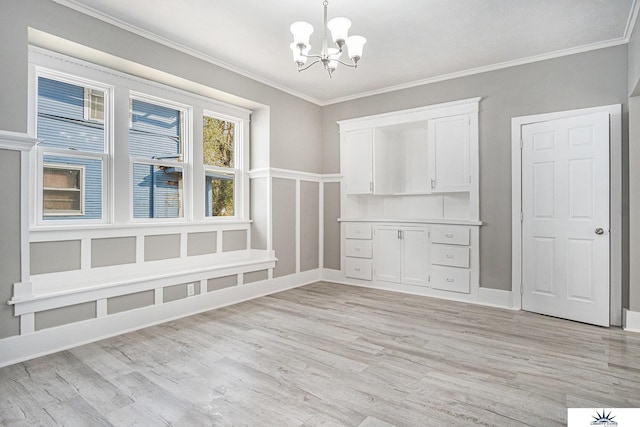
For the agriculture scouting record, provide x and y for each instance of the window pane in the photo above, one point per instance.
(155, 131)
(219, 192)
(218, 140)
(74, 191)
(157, 191)
(61, 118)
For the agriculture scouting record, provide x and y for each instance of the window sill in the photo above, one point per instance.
(70, 232)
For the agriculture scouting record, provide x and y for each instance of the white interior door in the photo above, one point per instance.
(565, 229)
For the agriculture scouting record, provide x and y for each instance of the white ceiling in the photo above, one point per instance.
(408, 41)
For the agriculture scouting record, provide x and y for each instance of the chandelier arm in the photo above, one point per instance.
(347, 64)
(312, 56)
(308, 66)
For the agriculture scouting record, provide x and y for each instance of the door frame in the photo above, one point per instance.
(615, 202)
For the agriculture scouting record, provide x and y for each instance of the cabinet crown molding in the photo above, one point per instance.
(452, 108)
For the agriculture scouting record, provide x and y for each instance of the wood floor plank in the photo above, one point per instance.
(332, 355)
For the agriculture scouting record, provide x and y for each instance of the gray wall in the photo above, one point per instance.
(9, 237)
(578, 81)
(284, 225)
(309, 225)
(331, 225)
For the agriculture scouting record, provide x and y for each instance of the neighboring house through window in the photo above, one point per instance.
(72, 152)
(156, 148)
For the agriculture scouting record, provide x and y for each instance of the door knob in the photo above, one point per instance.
(599, 231)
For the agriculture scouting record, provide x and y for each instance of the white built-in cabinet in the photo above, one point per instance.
(401, 254)
(410, 200)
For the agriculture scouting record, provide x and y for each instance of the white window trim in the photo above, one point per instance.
(37, 156)
(118, 211)
(81, 189)
(186, 141)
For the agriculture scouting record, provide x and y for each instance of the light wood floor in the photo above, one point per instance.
(327, 354)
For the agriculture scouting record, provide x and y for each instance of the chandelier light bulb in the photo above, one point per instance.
(355, 44)
(301, 32)
(339, 28)
(298, 56)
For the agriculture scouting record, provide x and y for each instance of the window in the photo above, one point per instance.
(93, 105)
(219, 146)
(91, 167)
(156, 149)
(72, 153)
(63, 190)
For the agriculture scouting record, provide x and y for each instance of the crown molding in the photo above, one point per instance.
(73, 4)
(480, 70)
(631, 21)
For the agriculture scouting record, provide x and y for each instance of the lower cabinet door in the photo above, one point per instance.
(358, 268)
(386, 254)
(450, 278)
(415, 256)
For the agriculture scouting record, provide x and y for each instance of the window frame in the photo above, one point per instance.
(117, 168)
(41, 150)
(186, 142)
(236, 170)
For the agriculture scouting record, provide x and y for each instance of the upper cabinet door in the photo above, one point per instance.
(358, 162)
(448, 143)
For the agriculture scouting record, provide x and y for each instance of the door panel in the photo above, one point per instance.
(565, 199)
(386, 254)
(416, 256)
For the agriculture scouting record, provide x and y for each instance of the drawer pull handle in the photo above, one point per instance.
(357, 249)
(449, 256)
(450, 280)
(449, 235)
(357, 268)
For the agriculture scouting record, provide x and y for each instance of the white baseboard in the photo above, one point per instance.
(486, 296)
(495, 298)
(631, 320)
(29, 346)
(332, 275)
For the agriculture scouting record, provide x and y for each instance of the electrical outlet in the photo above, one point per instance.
(191, 289)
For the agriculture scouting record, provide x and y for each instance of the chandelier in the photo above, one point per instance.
(329, 56)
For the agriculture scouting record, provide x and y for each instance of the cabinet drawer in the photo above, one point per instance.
(454, 256)
(450, 279)
(358, 268)
(355, 230)
(359, 248)
(450, 235)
